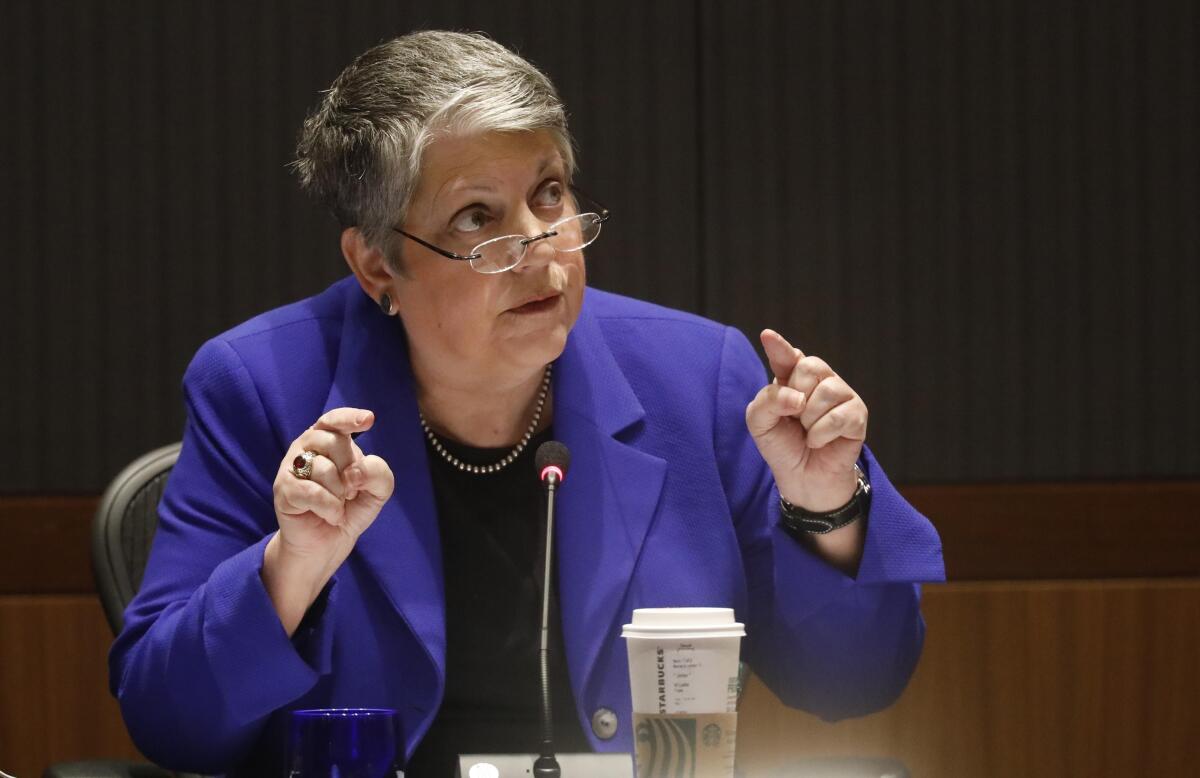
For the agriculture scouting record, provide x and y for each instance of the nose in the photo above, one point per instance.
(538, 253)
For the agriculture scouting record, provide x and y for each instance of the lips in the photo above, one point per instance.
(537, 303)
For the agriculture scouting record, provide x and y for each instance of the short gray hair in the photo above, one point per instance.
(359, 152)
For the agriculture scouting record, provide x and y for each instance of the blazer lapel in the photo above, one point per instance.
(609, 498)
(401, 548)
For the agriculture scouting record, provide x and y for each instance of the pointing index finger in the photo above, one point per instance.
(782, 355)
(345, 421)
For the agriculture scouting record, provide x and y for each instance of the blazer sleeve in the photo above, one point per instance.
(825, 642)
(203, 658)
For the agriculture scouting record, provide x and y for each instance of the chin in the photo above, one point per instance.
(535, 348)
(546, 346)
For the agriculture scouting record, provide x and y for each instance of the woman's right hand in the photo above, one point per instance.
(320, 518)
(323, 515)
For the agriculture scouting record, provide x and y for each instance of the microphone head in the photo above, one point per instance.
(552, 456)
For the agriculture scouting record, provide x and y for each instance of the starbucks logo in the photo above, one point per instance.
(666, 747)
(711, 735)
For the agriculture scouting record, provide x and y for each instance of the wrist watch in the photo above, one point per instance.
(799, 521)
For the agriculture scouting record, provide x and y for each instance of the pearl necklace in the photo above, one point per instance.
(508, 458)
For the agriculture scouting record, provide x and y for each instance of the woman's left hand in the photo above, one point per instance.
(809, 426)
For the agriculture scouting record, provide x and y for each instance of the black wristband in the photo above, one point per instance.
(797, 520)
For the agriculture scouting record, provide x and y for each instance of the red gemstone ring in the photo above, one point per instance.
(302, 465)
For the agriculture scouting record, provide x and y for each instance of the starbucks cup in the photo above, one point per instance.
(683, 675)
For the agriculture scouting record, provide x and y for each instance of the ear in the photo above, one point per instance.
(368, 264)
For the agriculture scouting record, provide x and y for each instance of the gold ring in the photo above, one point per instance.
(302, 465)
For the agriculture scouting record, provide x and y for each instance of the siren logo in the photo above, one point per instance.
(711, 735)
(666, 747)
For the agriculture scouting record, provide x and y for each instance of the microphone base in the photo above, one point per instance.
(573, 765)
(546, 767)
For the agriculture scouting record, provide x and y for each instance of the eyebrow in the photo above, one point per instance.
(545, 164)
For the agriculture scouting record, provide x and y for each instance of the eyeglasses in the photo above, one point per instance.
(573, 233)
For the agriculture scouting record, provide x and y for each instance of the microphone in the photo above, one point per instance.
(551, 461)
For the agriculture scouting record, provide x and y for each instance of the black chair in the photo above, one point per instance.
(122, 531)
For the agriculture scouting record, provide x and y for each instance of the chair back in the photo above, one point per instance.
(123, 529)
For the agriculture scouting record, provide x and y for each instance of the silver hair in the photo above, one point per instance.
(360, 150)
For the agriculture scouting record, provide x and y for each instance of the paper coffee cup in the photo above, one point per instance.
(683, 660)
(683, 675)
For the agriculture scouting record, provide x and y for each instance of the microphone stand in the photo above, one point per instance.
(546, 765)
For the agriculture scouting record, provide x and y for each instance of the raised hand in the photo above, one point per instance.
(809, 426)
(345, 491)
(322, 511)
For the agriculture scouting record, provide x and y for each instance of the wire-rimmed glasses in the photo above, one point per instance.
(574, 233)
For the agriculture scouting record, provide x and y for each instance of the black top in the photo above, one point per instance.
(492, 530)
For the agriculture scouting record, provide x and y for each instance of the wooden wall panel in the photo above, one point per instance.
(47, 546)
(54, 700)
(1039, 680)
(1073, 530)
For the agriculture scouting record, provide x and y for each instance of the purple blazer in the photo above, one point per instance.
(668, 503)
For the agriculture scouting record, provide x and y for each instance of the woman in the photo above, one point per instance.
(352, 520)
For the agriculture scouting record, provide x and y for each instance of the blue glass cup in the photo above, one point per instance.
(345, 743)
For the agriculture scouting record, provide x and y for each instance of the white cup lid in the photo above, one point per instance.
(657, 622)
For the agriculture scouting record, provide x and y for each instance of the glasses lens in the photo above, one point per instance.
(499, 254)
(575, 232)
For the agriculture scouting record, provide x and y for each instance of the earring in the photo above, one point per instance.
(385, 304)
